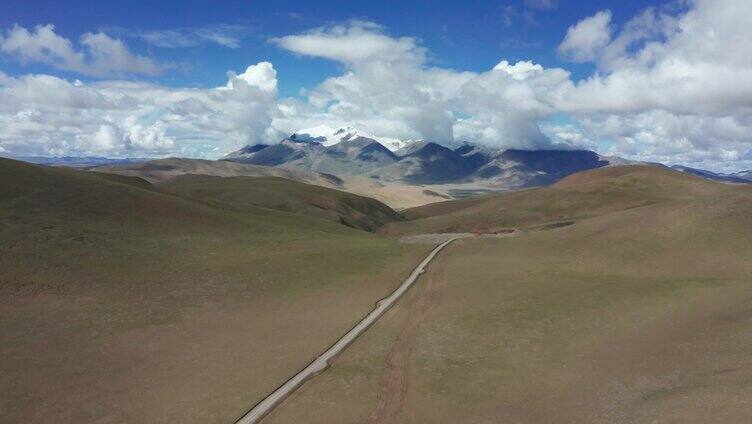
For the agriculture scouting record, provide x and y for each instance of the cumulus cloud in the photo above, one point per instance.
(694, 63)
(520, 70)
(674, 87)
(99, 55)
(586, 39)
(261, 75)
(47, 115)
(389, 89)
(667, 81)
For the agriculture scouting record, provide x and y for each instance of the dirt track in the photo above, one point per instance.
(267, 405)
(393, 384)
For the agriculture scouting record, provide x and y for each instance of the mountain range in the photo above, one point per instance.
(77, 161)
(741, 177)
(352, 152)
(322, 153)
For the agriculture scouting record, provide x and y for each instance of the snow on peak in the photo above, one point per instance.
(329, 137)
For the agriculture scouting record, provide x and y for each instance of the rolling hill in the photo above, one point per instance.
(126, 302)
(636, 312)
(577, 197)
(395, 195)
(285, 195)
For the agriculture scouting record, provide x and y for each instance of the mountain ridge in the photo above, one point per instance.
(741, 177)
(421, 162)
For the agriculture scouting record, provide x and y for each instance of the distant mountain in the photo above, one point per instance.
(328, 137)
(526, 168)
(77, 161)
(745, 175)
(427, 163)
(287, 151)
(419, 162)
(742, 177)
(353, 156)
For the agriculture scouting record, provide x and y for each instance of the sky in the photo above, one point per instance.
(656, 81)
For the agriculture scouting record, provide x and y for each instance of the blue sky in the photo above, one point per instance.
(464, 35)
(663, 81)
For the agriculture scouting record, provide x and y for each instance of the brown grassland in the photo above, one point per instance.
(123, 302)
(639, 310)
(625, 297)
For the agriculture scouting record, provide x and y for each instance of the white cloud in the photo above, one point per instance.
(106, 140)
(109, 56)
(569, 135)
(99, 56)
(586, 39)
(261, 75)
(520, 70)
(673, 87)
(721, 143)
(387, 89)
(354, 43)
(47, 115)
(42, 45)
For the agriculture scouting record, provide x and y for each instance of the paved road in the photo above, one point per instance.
(322, 362)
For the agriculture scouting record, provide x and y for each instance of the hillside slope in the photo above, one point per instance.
(397, 196)
(122, 302)
(286, 195)
(638, 312)
(161, 170)
(579, 196)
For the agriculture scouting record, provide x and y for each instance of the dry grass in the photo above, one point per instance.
(120, 302)
(579, 196)
(397, 196)
(639, 312)
(285, 195)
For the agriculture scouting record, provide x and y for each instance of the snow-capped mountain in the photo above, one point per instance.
(328, 136)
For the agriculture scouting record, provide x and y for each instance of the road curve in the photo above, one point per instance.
(267, 405)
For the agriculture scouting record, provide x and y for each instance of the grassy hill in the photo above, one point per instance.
(397, 196)
(285, 195)
(637, 312)
(577, 197)
(124, 302)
